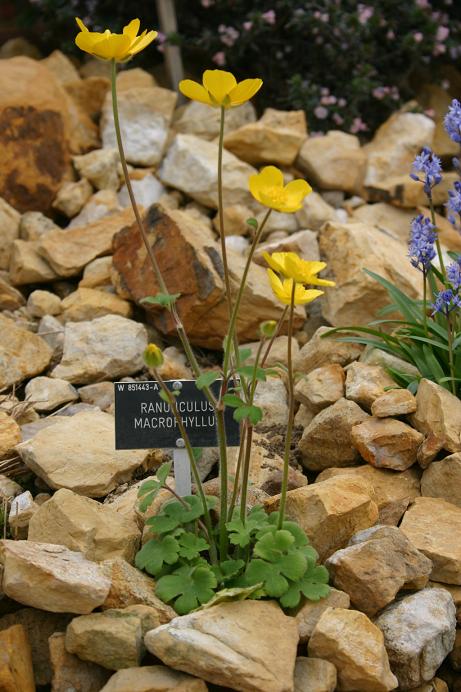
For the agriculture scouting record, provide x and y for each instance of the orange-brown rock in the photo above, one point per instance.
(386, 443)
(16, 673)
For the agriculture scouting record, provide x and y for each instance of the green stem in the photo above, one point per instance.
(291, 412)
(425, 302)
(274, 336)
(235, 489)
(222, 234)
(223, 474)
(246, 473)
(437, 242)
(450, 353)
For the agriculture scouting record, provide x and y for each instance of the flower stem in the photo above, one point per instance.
(223, 474)
(235, 489)
(222, 234)
(246, 473)
(437, 241)
(274, 336)
(450, 353)
(291, 412)
(425, 302)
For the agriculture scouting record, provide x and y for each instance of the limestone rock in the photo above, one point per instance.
(134, 77)
(45, 452)
(174, 366)
(153, 679)
(395, 402)
(34, 103)
(10, 435)
(72, 196)
(52, 332)
(145, 116)
(196, 274)
(277, 353)
(380, 563)
(386, 443)
(438, 413)
(62, 68)
(402, 191)
(327, 441)
(41, 303)
(69, 251)
(315, 212)
(22, 510)
(16, 672)
(10, 297)
(375, 356)
(28, 266)
(89, 303)
(22, 353)
(321, 387)
(393, 492)
(147, 191)
(419, 632)
(357, 296)
(33, 225)
(190, 166)
(330, 512)
(82, 524)
(48, 393)
(97, 273)
(365, 383)
(8, 488)
(271, 397)
(323, 350)
(70, 672)
(51, 577)
(231, 644)
(102, 203)
(14, 47)
(9, 231)
(433, 526)
(304, 243)
(199, 119)
(334, 162)
(443, 479)
(100, 394)
(100, 168)
(314, 675)
(108, 347)
(308, 614)
(350, 641)
(275, 138)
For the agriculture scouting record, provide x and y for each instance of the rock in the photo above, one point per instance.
(70, 672)
(395, 402)
(304, 243)
(437, 99)
(89, 94)
(22, 510)
(52, 332)
(28, 266)
(351, 642)
(327, 440)
(443, 479)
(68, 252)
(438, 413)
(432, 526)
(51, 577)
(395, 145)
(102, 203)
(14, 47)
(33, 103)
(44, 454)
(112, 345)
(419, 632)
(41, 303)
(8, 488)
(151, 679)
(38, 626)
(365, 383)
(84, 525)
(97, 274)
(33, 225)
(323, 350)
(455, 655)
(277, 353)
(134, 77)
(315, 212)
(72, 197)
(334, 161)
(375, 356)
(9, 231)
(16, 672)
(308, 614)
(393, 492)
(190, 165)
(10, 297)
(271, 397)
(314, 675)
(330, 512)
(174, 366)
(62, 68)
(231, 644)
(357, 296)
(402, 191)
(386, 443)
(10, 435)
(202, 304)
(321, 387)
(145, 116)
(48, 393)
(199, 119)
(89, 303)
(100, 167)
(22, 353)
(380, 563)
(100, 394)
(147, 191)
(275, 138)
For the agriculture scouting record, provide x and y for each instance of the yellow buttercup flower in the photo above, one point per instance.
(282, 290)
(267, 187)
(153, 356)
(109, 46)
(292, 266)
(220, 89)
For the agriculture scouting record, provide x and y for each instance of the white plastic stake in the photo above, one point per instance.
(182, 472)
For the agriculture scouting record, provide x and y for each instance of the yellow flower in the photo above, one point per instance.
(109, 46)
(268, 188)
(153, 356)
(292, 266)
(282, 290)
(220, 88)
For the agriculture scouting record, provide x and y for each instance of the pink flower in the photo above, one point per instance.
(365, 12)
(418, 37)
(269, 16)
(379, 92)
(228, 35)
(320, 113)
(390, 35)
(247, 26)
(358, 126)
(442, 33)
(207, 3)
(219, 58)
(338, 118)
(423, 4)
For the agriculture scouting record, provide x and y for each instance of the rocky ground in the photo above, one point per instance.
(376, 474)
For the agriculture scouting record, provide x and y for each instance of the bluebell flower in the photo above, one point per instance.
(421, 246)
(446, 301)
(452, 121)
(430, 166)
(454, 202)
(454, 273)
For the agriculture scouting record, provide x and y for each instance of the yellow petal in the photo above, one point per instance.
(271, 176)
(255, 186)
(132, 29)
(81, 25)
(114, 46)
(303, 296)
(275, 261)
(276, 285)
(143, 42)
(244, 91)
(195, 91)
(298, 189)
(86, 40)
(218, 83)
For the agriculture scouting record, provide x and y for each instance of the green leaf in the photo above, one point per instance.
(253, 413)
(228, 569)
(249, 371)
(207, 378)
(241, 533)
(165, 300)
(157, 552)
(252, 222)
(174, 514)
(244, 354)
(190, 545)
(232, 400)
(274, 583)
(188, 587)
(313, 585)
(164, 396)
(236, 593)
(150, 489)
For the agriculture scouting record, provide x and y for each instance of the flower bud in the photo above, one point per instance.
(153, 356)
(267, 328)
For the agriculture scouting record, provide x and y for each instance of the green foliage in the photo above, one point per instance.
(150, 489)
(207, 378)
(165, 300)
